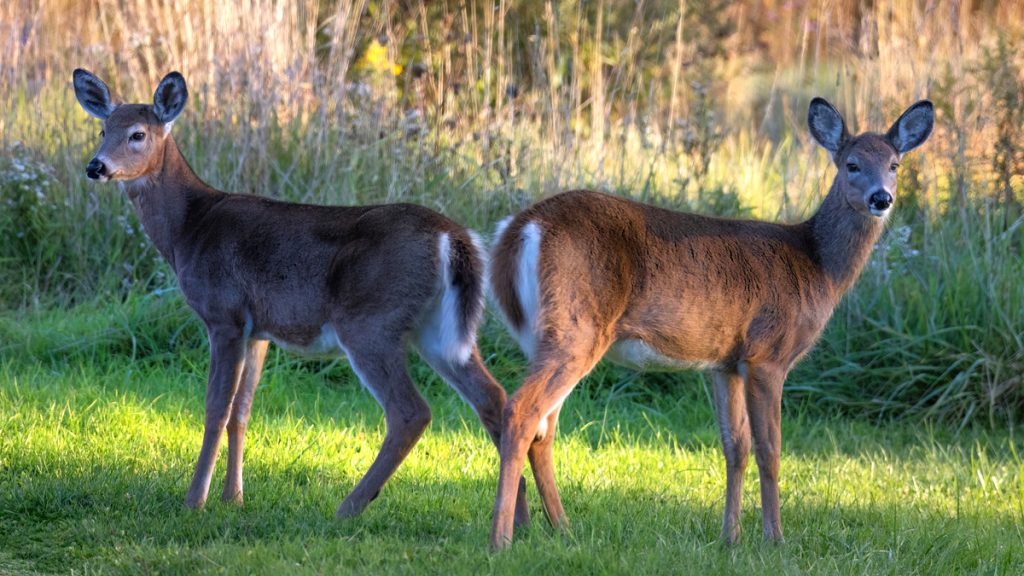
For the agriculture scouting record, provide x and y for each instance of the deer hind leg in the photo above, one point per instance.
(764, 406)
(734, 425)
(255, 354)
(227, 359)
(381, 367)
(478, 388)
(552, 377)
(542, 464)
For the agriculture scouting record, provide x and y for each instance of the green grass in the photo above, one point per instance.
(100, 423)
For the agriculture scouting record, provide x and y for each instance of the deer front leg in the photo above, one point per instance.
(734, 426)
(255, 355)
(227, 359)
(764, 406)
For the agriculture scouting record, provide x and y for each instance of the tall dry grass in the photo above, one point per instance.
(600, 93)
(478, 108)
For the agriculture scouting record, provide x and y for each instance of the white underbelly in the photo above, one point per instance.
(639, 355)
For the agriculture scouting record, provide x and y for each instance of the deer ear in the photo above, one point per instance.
(827, 125)
(170, 97)
(913, 127)
(93, 94)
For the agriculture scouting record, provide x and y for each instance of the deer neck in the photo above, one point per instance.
(164, 198)
(844, 238)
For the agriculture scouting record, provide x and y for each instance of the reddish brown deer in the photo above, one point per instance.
(363, 281)
(584, 275)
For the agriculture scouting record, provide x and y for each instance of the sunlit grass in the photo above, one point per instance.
(97, 448)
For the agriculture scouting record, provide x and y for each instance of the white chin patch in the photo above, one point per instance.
(879, 213)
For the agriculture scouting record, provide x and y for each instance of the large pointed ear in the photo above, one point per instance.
(170, 97)
(913, 127)
(93, 94)
(827, 125)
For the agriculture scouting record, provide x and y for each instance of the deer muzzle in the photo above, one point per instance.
(95, 170)
(879, 202)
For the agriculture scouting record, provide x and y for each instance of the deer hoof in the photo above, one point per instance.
(233, 498)
(194, 503)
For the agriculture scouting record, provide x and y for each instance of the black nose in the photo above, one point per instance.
(880, 200)
(95, 169)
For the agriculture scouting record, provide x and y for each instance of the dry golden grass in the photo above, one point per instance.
(529, 96)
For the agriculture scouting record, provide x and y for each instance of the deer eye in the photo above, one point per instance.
(894, 166)
(137, 136)
(852, 168)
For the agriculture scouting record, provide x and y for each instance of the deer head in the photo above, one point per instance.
(134, 135)
(867, 163)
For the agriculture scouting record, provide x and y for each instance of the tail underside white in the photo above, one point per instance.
(527, 286)
(441, 335)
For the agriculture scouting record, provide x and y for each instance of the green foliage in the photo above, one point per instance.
(933, 327)
(24, 185)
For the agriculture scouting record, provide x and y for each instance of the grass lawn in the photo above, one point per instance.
(98, 438)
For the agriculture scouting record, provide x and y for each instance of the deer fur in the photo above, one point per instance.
(364, 281)
(585, 275)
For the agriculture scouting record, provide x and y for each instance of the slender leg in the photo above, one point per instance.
(521, 419)
(731, 409)
(382, 370)
(542, 463)
(227, 358)
(476, 386)
(764, 406)
(255, 354)
(545, 388)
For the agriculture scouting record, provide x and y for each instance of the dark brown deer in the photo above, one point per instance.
(364, 281)
(583, 275)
